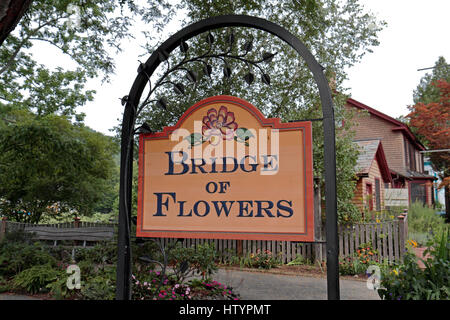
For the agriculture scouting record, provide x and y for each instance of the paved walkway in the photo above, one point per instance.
(4, 296)
(266, 286)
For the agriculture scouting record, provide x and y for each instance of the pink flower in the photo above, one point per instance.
(218, 125)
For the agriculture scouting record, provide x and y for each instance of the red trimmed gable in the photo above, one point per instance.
(398, 125)
(370, 150)
(382, 163)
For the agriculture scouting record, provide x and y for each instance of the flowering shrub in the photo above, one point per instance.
(194, 261)
(360, 261)
(263, 259)
(408, 281)
(366, 254)
(156, 286)
(213, 289)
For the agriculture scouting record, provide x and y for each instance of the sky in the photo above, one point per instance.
(417, 33)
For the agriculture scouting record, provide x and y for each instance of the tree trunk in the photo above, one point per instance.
(11, 11)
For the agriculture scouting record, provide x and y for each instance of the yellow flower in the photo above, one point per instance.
(412, 243)
(378, 220)
(395, 272)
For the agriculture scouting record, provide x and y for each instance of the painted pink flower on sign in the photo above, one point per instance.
(219, 124)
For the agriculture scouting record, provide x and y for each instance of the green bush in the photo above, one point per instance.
(191, 261)
(409, 282)
(299, 260)
(36, 278)
(102, 286)
(153, 285)
(261, 260)
(18, 256)
(422, 219)
(360, 261)
(102, 253)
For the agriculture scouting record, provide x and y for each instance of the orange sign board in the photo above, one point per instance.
(224, 171)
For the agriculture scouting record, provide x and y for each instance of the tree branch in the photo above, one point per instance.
(25, 40)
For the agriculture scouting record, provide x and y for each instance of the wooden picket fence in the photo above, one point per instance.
(286, 251)
(387, 238)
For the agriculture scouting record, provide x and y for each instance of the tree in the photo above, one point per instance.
(89, 32)
(425, 91)
(338, 33)
(50, 166)
(50, 162)
(432, 122)
(10, 14)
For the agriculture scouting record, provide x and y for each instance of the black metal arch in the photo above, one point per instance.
(146, 70)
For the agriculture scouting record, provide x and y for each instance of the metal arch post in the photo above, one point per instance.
(124, 252)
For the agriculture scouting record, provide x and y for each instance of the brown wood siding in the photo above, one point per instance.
(360, 189)
(368, 126)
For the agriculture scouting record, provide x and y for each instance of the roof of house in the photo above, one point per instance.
(413, 175)
(398, 125)
(370, 150)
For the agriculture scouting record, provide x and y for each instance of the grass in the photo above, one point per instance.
(423, 222)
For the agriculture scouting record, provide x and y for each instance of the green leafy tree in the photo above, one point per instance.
(50, 163)
(338, 33)
(431, 106)
(50, 166)
(426, 92)
(88, 32)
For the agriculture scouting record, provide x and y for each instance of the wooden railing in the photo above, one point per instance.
(70, 231)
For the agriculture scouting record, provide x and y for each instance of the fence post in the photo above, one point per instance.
(239, 247)
(76, 222)
(403, 230)
(318, 253)
(3, 228)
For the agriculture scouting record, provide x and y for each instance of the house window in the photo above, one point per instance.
(422, 169)
(377, 195)
(412, 156)
(405, 143)
(369, 196)
(418, 192)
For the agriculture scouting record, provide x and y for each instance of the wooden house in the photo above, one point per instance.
(373, 175)
(402, 151)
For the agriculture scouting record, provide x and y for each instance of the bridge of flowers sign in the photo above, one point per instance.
(224, 171)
